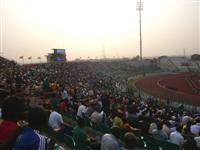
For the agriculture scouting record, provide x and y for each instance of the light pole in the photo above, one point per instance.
(139, 7)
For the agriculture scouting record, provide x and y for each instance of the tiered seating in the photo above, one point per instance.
(144, 141)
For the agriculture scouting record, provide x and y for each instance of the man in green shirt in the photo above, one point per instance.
(79, 134)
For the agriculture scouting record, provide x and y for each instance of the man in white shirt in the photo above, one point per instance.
(55, 120)
(197, 139)
(195, 129)
(176, 136)
(82, 108)
(64, 94)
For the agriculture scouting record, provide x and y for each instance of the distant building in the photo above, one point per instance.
(58, 55)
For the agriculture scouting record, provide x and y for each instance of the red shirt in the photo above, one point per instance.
(63, 106)
(7, 128)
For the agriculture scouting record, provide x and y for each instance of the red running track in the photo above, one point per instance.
(179, 87)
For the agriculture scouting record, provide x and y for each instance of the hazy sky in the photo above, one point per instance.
(34, 27)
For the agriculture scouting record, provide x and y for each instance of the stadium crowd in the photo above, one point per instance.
(36, 97)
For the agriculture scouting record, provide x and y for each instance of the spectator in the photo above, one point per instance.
(30, 138)
(96, 116)
(64, 94)
(185, 119)
(63, 106)
(13, 110)
(3, 94)
(82, 109)
(153, 126)
(166, 127)
(176, 136)
(197, 139)
(79, 133)
(130, 140)
(186, 130)
(195, 128)
(55, 120)
(132, 115)
(117, 120)
(90, 110)
(127, 126)
(159, 133)
(110, 141)
(190, 144)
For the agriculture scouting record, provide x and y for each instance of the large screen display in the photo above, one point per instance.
(59, 51)
(60, 58)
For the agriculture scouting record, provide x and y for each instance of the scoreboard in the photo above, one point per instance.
(59, 51)
(58, 55)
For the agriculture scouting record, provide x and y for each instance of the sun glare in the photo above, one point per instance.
(88, 18)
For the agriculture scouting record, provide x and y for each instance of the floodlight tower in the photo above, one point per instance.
(139, 7)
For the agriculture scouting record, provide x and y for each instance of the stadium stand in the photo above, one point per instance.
(75, 89)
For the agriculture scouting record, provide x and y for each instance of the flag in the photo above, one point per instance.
(21, 57)
(30, 57)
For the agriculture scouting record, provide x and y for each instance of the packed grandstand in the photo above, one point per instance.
(118, 104)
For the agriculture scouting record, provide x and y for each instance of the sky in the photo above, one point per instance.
(82, 27)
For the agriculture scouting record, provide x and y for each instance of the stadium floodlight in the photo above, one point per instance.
(139, 7)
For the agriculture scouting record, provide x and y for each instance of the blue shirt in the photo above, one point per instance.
(30, 139)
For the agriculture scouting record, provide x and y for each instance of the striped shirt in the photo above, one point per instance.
(30, 139)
